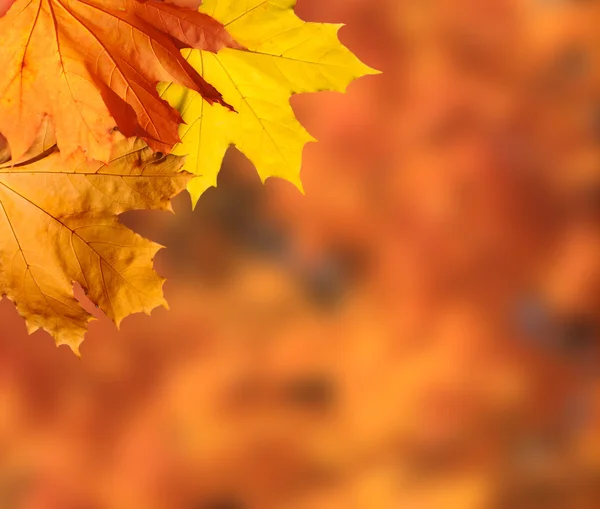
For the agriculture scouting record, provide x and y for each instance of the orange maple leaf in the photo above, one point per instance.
(59, 225)
(93, 66)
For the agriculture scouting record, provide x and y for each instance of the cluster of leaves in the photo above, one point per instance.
(94, 93)
(425, 336)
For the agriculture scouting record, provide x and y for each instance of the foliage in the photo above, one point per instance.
(425, 336)
(85, 73)
(280, 55)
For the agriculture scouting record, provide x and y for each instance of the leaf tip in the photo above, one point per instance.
(73, 344)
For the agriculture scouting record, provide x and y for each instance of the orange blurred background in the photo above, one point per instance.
(420, 331)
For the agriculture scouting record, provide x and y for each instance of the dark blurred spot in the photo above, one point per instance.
(574, 62)
(312, 391)
(532, 318)
(354, 261)
(267, 239)
(576, 335)
(328, 279)
(324, 282)
(233, 210)
(529, 484)
(577, 412)
(570, 335)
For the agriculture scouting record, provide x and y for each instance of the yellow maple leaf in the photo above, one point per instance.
(59, 225)
(282, 56)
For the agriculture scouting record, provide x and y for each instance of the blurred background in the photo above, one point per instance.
(420, 331)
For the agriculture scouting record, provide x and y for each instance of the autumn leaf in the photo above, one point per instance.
(80, 79)
(59, 225)
(281, 55)
(93, 65)
(189, 28)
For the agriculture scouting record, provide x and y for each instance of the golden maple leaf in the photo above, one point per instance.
(59, 225)
(93, 65)
(281, 55)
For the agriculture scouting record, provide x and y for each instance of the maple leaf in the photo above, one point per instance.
(281, 55)
(59, 225)
(93, 65)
